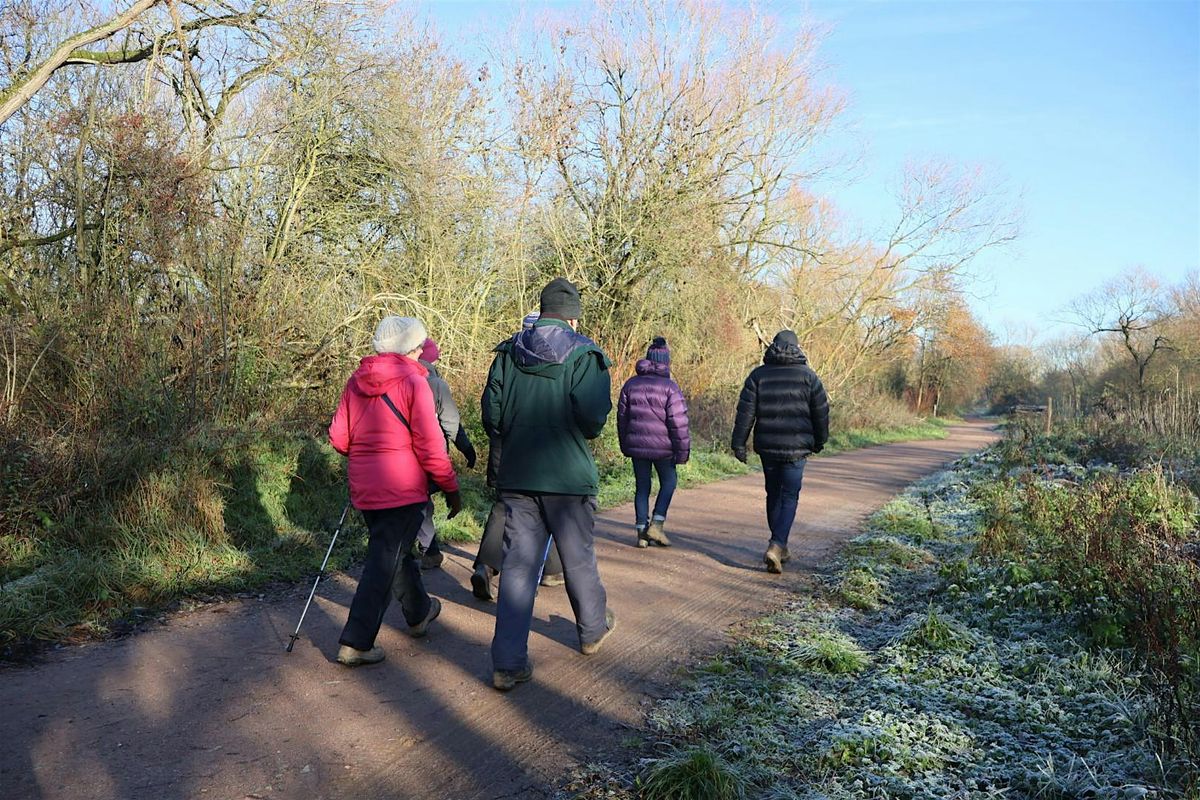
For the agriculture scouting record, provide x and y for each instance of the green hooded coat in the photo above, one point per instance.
(548, 392)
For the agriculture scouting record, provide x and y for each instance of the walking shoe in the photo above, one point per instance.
(643, 537)
(356, 658)
(432, 560)
(786, 557)
(506, 679)
(422, 627)
(591, 648)
(773, 558)
(481, 582)
(655, 533)
(552, 580)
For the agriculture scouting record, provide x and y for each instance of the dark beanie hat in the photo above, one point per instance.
(560, 298)
(787, 339)
(659, 352)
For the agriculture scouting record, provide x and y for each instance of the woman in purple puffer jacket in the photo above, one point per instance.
(652, 423)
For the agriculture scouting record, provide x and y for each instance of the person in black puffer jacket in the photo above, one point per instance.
(784, 402)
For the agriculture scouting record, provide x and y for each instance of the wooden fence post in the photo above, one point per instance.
(1049, 413)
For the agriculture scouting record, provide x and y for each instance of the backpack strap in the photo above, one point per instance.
(396, 411)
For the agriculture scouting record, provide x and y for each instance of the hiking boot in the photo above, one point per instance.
(591, 648)
(773, 558)
(552, 580)
(422, 627)
(432, 560)
(356, 658)
(643, 535)
(481, 582)
(786, 557)
(656, 535)
(506, 679)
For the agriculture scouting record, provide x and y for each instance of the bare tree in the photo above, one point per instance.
(1132, 308)
(663, 138)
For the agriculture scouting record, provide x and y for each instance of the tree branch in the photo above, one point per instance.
(22, 90)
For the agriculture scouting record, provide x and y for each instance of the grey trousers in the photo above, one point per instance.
(491, 546)
(529, 522)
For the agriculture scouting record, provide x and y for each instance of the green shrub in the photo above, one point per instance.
(695, 773)
(907, 517)
(933, 631)
(829, 651)
(887, 551)
(859, 588)
(1114, 550)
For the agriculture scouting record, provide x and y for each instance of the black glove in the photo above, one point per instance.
(453, 504)
(818, 448)
(463, 443)
(740, 454)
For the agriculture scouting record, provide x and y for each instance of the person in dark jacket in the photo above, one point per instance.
(491, 544)
(784, 402)
(652, 426)
(547, 394)
(451, 423)
(385, 423)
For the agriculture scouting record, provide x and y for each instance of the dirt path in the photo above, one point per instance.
(210, 706)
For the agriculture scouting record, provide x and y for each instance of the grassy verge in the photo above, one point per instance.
(223, 513)
(841, 441)
(931, 667)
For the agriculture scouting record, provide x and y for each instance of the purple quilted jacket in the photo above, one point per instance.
(652, 419)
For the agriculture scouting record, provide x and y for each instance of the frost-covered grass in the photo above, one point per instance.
(922, 671)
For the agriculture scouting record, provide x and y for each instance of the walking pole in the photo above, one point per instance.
(336, 531)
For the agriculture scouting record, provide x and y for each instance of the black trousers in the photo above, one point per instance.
(491, 546)
(389, 561)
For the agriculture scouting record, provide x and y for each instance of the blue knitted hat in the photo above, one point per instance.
(659, 352)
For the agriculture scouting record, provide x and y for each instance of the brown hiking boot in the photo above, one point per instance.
(656, 534)
(356, 658)
(786, 557)
(506, 679)
(552, 580)
(422, 627)
(643, 536)
(591, 648)
(481, 582)
(773, 558)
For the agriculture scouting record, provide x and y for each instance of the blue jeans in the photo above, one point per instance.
(783, 479)
(529, 521)
(667, 481)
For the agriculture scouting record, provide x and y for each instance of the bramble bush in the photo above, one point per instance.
(1120, 548)
(934, 667)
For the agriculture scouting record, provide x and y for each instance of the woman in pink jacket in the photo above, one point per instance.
(387, 425)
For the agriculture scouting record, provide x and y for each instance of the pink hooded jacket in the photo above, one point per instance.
(389, 465)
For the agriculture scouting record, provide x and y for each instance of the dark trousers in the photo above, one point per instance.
(783, 479)
(529, 522)
(491, 546)
(389, 561)
(667, 481)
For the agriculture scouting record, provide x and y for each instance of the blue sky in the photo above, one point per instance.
(1088, 111)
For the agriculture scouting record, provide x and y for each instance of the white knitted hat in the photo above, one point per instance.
(399, 335)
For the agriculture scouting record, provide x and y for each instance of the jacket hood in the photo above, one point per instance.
(546, 346)
(376, 374)
(654, 368)
(783, 352)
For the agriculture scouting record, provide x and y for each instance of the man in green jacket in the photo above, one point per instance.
(548, 392)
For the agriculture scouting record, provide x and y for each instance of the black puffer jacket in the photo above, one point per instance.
(785, 403)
